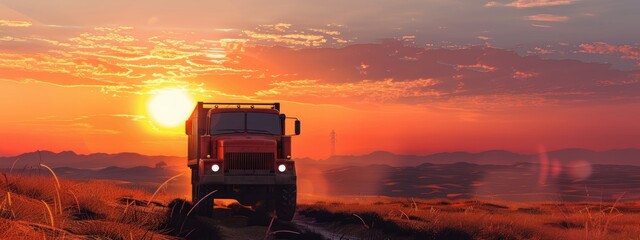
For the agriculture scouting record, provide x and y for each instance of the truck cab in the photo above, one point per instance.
(241, 151)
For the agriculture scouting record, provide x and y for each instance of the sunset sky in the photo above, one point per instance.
(410, 77)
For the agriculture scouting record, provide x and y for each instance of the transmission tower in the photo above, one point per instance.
(333, 142)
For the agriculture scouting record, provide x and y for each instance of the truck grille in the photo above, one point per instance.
(248, 161)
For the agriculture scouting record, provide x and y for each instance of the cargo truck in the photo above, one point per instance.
(241, 151)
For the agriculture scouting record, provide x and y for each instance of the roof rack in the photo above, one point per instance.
(275, 106)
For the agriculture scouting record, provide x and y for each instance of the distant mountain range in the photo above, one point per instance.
(517, 182)
(568, 176)
(88, 161)
(133, 174)
(496, 174)
(493, 157)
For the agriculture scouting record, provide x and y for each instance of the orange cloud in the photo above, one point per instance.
(11, 39)
(387, 90)
(523, 75)
(113, 68)
(601, 48)
(307, 40)
(492, 4)
(626, 51)
(540, 25)
(287, 34)
(531, 3)
(121, 60)
(325, 31)
(477, 67)
(547, 18)
(10, 23)
(437, 77)
(541, 51)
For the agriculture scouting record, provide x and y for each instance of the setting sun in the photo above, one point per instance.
(438, 119)
(170, 107)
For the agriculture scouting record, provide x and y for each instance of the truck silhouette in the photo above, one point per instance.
(241, 151)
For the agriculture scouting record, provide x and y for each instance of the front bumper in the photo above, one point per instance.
(247, 180)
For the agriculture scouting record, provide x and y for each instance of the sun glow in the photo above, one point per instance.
(170, 107)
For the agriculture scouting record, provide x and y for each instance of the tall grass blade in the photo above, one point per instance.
(362, 220)
(160, 187)
(52, 173)
(284, 231)
(127, 206)
(606, 226)
(266, 235)
(49, 211)
(57, 187)
(194, 207)
(13, 214)
(13, 165)
(76, 199)
(2, 205)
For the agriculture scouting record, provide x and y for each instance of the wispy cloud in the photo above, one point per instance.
(308, 40)
(387, 90)
(531, 3)
(540, 25)
(11, 39)
(484, 38)
(477, 67)
(84, 124)
(541, 51)
(288, 34)
(435, 76)
(113, 57)
(121, 61)
(547, 18)
(524, 75)
(13, 23)
(623, 51)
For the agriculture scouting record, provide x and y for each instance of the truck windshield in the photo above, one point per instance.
(234, 122)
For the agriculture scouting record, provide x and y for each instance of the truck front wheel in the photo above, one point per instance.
(286, 202)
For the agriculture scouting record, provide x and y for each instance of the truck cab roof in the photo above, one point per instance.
(259, 110)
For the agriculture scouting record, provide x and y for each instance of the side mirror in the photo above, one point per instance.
(297, 124)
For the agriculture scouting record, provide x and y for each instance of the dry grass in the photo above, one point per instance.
(48, 208)
(39, 207)
(373, 218)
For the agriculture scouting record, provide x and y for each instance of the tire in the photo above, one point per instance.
(194, 186)
(286, 198)
(194, 193)
(205, 208)
(265, 206)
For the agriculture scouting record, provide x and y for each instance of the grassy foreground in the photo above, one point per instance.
(39, 207)
(42, 207)
(395, 218)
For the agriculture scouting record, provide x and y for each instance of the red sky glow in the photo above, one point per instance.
(510, 75)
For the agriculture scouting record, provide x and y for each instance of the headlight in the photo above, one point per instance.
(215, 168)
(282, 168)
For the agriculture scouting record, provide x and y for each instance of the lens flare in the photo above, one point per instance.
(544, 166)
(580, 170)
